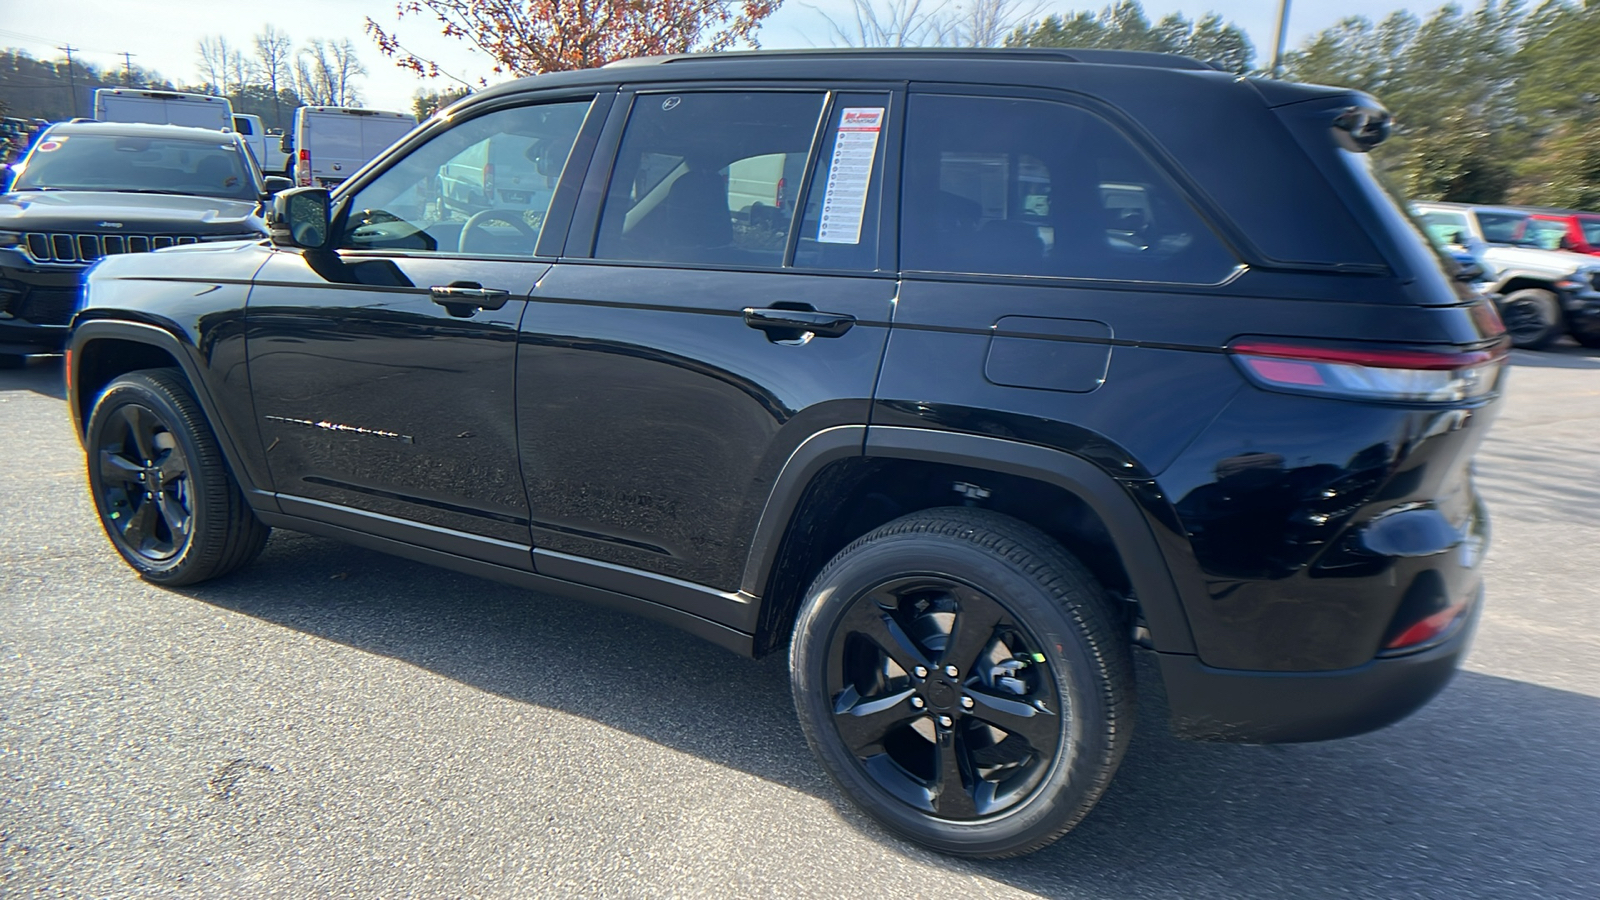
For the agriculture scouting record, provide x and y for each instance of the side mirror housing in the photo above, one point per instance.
(286, 143)
(277, 183)
(1470, 271)
(299, 218)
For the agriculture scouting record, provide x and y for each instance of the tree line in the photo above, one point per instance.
(269, 77)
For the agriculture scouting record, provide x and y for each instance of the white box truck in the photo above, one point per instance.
(163, 108)
(331, 142)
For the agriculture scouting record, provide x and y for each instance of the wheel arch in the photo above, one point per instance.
(102, 349)
(1074, 501)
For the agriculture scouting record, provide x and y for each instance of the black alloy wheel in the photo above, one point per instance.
(962, 677)
(143, 484)
(940, 695)
(163, 492)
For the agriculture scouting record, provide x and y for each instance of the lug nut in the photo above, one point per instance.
(951, 671)
(944, 721)
(916, 702)
(966, 702)
(921, 672)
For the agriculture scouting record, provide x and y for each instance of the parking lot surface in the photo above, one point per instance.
(335, 722)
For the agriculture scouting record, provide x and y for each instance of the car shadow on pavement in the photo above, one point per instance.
(41, 375)
(1491, 791)
(1564, 355)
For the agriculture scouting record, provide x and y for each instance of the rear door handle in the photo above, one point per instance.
(798, 324)
(468, 295)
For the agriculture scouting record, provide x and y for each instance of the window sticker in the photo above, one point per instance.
(51, 145)
(844, 202)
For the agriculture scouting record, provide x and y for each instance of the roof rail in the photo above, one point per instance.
(1143, 58)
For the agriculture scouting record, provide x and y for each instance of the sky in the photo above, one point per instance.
(162, 34)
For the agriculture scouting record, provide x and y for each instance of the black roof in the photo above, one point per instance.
(142, 129)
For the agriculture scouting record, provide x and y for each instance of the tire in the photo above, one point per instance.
(1532, 317)
(164, 494)
(888, 736)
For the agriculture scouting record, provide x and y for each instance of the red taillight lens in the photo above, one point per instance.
(777, 199)
(1428, 629)
(1365, 373)
(303, 170)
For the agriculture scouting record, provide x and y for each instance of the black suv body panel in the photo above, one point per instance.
(620, 432)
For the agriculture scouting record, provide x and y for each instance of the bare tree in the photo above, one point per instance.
(273, 56)
(987, 23)
(894, 23)
(222, 66)
(325, 73)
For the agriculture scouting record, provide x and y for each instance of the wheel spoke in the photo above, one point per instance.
(875, 623)
(172, 468)
(863, 722)
(141, 427)
(116, 469)
(141, 525)
(973, 631)
(952, 799)
(1040, 728)
(176, 517)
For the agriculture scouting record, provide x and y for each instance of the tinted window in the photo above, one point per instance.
(104, 162)
(840, 227)
(704, 178)
(242, 126)
(1029, 187)
(1503, 228)
(483, 187)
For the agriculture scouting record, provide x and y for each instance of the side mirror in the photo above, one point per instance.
(286, 143)
(1458, 238)
(299, 218)
(1469, 272)
(276, 183)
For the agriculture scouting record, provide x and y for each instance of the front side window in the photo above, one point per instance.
(1504, 228)
(131, 164)
(1547, 234)
(1029, 187)
(708, 178)
(483, 187)
(1446, 229)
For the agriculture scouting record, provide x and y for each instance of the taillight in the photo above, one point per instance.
(1365, 373)
(1427, 629)
(777, 200)
(304, 168)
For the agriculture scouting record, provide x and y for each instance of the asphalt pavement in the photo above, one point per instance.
(332, 722)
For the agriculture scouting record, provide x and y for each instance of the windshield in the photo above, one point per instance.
(120, 163)
(1591, 231)
(1505, 228)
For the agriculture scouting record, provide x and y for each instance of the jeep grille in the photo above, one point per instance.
(82, 249)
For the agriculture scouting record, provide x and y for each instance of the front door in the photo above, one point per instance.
(711, 312)
(384, 372)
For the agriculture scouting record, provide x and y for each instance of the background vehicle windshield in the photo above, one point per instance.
(1591, 231)
(104, 162)
(1505, 228)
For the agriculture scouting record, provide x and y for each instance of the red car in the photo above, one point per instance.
(1574, 232)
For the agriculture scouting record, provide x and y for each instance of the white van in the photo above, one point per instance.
(266, 148)
(163, 108)
(331, 142)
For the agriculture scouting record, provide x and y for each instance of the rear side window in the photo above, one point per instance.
(1445, 228)
(707, 178)
(1029, 187)
(1503, 228)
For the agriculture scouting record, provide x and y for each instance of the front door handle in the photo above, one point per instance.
(468, 296)
(798, 325)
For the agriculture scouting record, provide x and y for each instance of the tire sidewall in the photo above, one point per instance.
(140, 390)
(1068, 789)
(1548, 309)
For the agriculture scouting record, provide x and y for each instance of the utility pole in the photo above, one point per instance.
(72, 81)
(127, 67)
(1278, 39)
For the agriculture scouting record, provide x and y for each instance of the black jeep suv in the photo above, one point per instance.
(962, 376)
(88, 190)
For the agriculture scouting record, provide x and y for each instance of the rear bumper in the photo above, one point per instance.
(1241, 706)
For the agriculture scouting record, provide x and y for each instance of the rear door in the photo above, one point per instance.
(693, 335)
(383, 373)
(335, 144)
